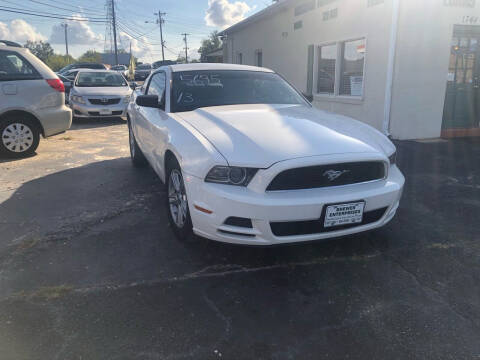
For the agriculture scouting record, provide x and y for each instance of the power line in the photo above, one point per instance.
(62, 8)
(136, 37)
(42, 12)
(52, 16)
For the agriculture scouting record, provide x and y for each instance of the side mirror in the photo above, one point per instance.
(151, 101)
(148, 101)
(133, 85)
(309, 97)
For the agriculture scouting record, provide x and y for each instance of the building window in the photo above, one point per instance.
(325, 2)
(259, 58)
(239, 58)
(327, 58)
(371, 3)
(304, 7)
(353, 61)
(339, 69)
(330, 14)
(298, 25)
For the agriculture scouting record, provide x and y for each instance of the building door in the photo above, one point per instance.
(461, 113)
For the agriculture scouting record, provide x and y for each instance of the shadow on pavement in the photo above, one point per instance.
(89, 123)
(90, 268)
(89, 212)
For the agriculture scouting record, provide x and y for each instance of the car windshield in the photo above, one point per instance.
(100, 79)
(144, 67)
(196, 89)
(119, 67)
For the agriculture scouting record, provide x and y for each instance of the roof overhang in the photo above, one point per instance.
(268, 11)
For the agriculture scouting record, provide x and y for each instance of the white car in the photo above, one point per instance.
(246, 158)
(32, 101)
(122, 69)
(99, 93)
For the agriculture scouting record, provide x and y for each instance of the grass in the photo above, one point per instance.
(46, 292)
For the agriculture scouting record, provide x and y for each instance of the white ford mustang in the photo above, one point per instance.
(246, 159)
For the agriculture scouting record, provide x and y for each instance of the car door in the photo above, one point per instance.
(21, 86)
(152, 123)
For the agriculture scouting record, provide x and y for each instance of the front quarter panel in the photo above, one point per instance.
(194, 152)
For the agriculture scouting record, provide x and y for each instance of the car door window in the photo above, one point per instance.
(15, 67)
(157, 85)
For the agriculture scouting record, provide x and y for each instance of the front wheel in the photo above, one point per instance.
(177, 203)
(19, 137)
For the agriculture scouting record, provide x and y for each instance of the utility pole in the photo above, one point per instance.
(186, 46)
(160, 22)
(65, 25)
(114, 32)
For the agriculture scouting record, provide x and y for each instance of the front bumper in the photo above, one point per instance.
(264, 208)
(90, 111)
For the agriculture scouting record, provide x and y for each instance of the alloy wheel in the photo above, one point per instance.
(177, 198)
(17, 137)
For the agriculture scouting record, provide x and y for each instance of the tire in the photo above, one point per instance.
(181, 223)
(19, 136)
(138, 159)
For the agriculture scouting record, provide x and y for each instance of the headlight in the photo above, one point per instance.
(393, 158)
(78, 99)
(231, 175)
(126, 99)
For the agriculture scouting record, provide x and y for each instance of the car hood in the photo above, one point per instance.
(103, 91)
(261, 135)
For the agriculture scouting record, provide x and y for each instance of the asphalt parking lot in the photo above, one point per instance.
(89, 268)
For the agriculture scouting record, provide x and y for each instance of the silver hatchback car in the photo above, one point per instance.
(99, 93)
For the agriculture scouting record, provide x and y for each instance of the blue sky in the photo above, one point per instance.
(196, 17)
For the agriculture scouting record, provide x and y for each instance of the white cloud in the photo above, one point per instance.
(78, 32)
(19, 30)
(141, 48)
(223, 13)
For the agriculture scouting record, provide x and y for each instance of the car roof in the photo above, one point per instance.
(20, 49)
(216, 66)
(90, 70)
(10, 43)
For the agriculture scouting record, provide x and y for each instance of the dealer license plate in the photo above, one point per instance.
(344, 214)
(105, 112)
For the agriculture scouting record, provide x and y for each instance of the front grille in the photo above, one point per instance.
(104, 101)
(320, 176)
(296, 228)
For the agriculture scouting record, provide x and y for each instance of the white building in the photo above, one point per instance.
(410, 68)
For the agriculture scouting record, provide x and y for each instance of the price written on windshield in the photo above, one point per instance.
(469, 19)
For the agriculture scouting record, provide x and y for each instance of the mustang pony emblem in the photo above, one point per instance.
(333, 174)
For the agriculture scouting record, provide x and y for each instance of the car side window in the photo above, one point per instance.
(15, 67)
(157, 85)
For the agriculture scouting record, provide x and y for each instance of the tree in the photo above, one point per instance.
(208, 45)
(91, 56)
(56, 62)
(181, 59)
(42, 50)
